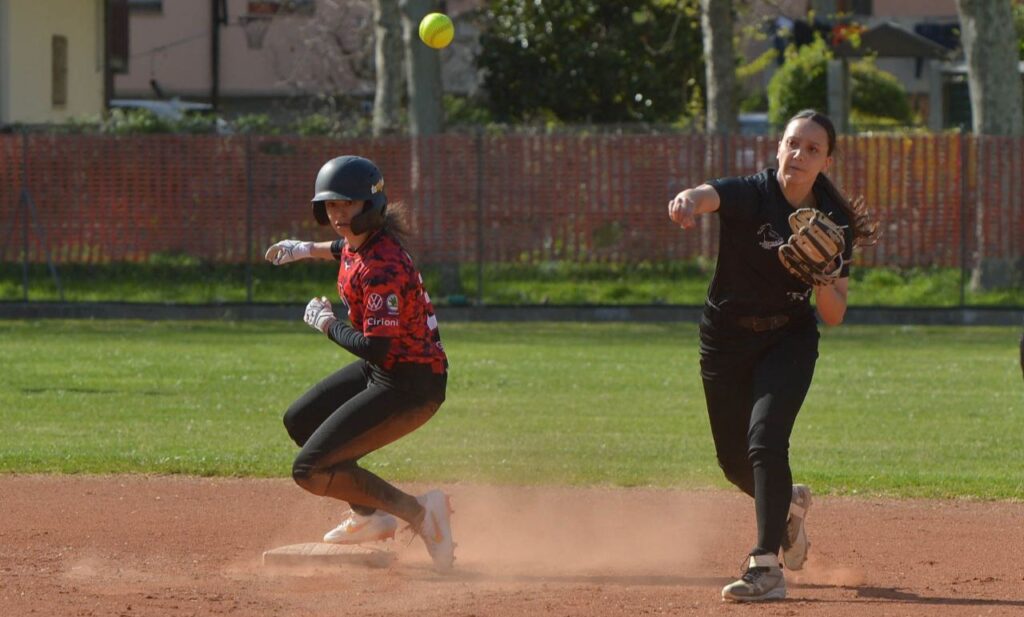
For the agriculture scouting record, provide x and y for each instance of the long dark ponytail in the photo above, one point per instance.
(396, 222)
(864, 225)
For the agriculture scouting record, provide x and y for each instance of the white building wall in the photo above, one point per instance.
(27, 28)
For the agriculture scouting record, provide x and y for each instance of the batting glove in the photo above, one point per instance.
(287, 251)
(319, 314)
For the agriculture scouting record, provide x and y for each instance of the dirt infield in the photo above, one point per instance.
(156, 546)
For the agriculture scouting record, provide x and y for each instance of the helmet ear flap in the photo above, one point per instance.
(372, 216)
(320, 213)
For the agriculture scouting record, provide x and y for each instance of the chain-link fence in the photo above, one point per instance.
(120, 213)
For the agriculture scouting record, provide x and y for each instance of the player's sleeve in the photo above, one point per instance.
(738, 197)
(336, 248)
(372, 349)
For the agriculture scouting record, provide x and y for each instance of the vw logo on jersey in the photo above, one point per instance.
(767, 238)
(374, 302)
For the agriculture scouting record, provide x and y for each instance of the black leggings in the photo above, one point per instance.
(754, 385)
(351, 413)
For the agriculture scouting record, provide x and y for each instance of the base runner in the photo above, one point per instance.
(397, 384)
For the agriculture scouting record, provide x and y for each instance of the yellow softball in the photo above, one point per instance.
(437, 30)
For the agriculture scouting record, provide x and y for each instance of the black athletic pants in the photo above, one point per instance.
(754, 385)
(351, 413)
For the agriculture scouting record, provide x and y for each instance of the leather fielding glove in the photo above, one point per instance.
(814, 252)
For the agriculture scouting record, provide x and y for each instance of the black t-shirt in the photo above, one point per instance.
(749, 278)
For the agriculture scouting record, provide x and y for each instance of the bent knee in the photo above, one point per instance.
(737, 470)
(321, 481)
(293, 426)
(764, 456)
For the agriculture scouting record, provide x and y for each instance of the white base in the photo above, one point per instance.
(324, 554)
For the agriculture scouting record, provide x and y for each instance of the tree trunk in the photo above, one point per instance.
(720, 65)
(423, 71)
(389, 59)
(990, 44)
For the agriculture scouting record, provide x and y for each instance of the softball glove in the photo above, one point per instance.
(814, 253)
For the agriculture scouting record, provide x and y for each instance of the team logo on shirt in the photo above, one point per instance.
(767, 238)
(374, 302)
(393, 304)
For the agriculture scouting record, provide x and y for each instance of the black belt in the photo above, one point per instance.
(763, 324)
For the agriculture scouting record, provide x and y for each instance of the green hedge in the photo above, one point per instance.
(181, 279)
(802, 83)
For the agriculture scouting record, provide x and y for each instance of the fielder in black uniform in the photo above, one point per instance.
(759, 336)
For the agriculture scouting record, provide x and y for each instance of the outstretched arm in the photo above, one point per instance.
(690, 203)
(287, 251)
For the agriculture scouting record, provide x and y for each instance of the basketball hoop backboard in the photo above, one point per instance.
(255, 26)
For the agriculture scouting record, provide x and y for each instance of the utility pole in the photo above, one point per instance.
(218, 18)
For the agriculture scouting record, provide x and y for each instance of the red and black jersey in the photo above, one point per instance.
(385, 297)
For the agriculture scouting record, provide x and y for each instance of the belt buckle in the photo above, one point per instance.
(764, 324)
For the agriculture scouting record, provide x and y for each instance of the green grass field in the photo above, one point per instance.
(907, 411)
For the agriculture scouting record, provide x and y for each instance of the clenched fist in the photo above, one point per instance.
(681, 210)
(319, 314)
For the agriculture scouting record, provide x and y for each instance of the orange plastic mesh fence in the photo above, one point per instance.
(942, 199)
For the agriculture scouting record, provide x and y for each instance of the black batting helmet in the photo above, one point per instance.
(356, 179)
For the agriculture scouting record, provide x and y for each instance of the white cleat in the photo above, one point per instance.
(361, 529)
(795, 544)
(436, 529)
(763, 580)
